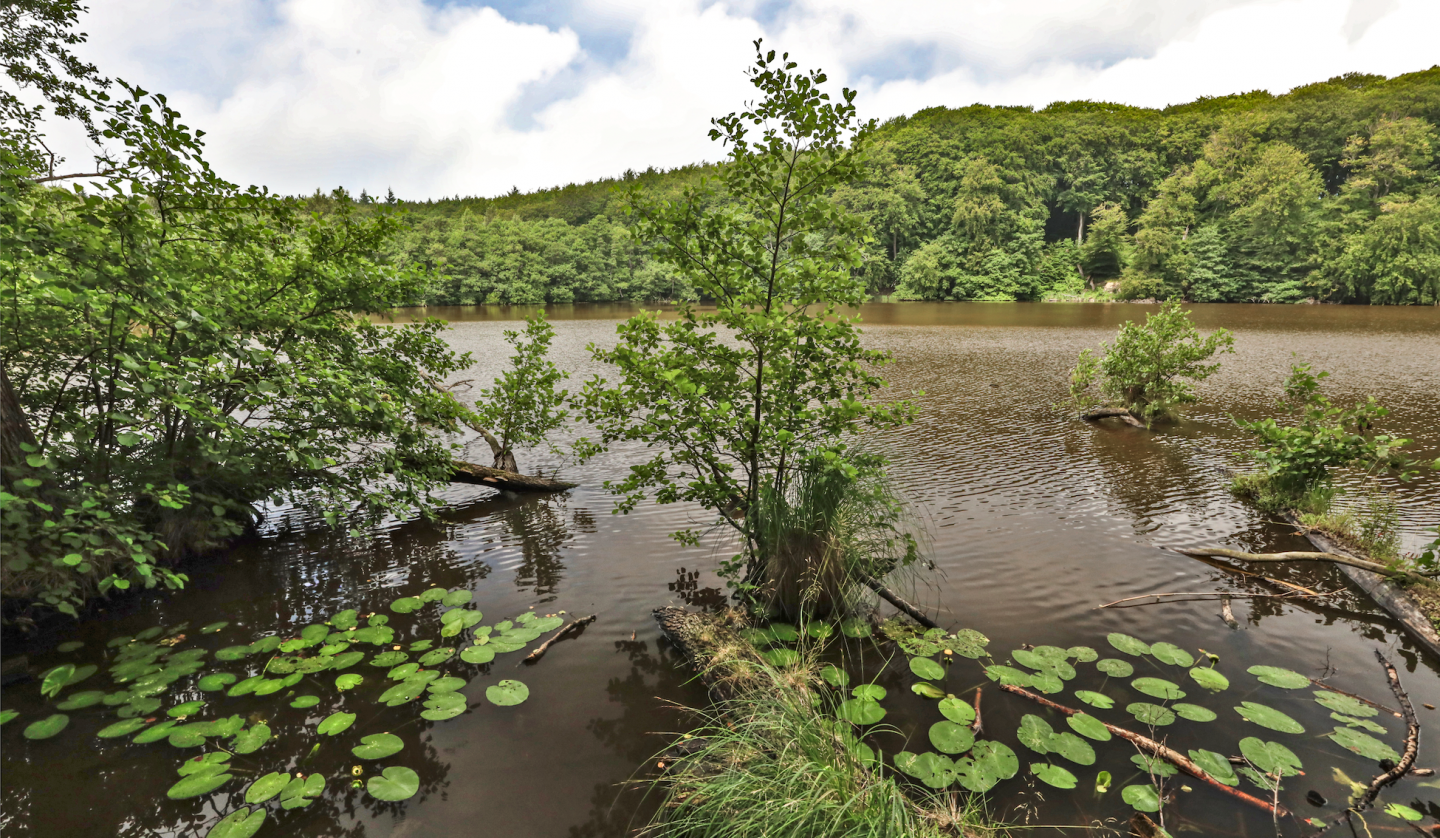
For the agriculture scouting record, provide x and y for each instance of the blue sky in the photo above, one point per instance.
(445, 97)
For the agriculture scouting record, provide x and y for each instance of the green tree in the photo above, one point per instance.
(730, 398)
(523, 407)
(1103, 253)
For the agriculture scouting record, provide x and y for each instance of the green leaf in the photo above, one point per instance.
(781, 657)
(266, 787)
(1403, 812)
(1363, 744)
(214, 627)
(394, 783)
(1094, 699)
(1035, 733)
(443, 705)
(251, 739)
(1216, 765)
(1270, 757)
(406, 605)
(202, 782)
(457, 597)
(784, 632)
(1153, 765)
(986, 765)
(477, 654)
(390, 659)
(1088, 726)
(1194, 712)
(855, 627)
(378, 746)
(436, 656)
(55, 679)
(403, 671)
(8, 716)
(434, 595)
(301, 791)
(213, 763)
(232, 653)
(874, 692)
(1172, 654)
(1158, 688)
(81, 700)
(834, 675)
(860, 711)
(1363, 724)
(1344, 704)
(1008, 675)
(507, 693)
(189, 708)
(123, 728)
(1102, 782)
(155, 732)
(304, 701)
(1210, 679)
(448, 684)
(241, 823)
(1277, 677)
(1128, 644)
(1083, 654)
(925, 689)
(1115, 668)
(215, 681)
(1268, 717)
(927, 669)
(1073, 748)
(957, 711)
(1053, 775)
(335, 723)
(348, 681)
(1144, 798)
(69, 646)
(951, 738)
(47, 727)
(1150, 714)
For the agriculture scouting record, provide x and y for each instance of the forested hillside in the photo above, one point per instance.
(1329, 192)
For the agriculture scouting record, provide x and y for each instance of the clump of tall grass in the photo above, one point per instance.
(835, 522)
(776, 762)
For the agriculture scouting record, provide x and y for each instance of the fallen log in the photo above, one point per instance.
(509, 481)
(1389, 596)
(1297, 556)
(896, 600)
(572, 628)
(1095, 414)
(1149, 745)
(1412, 738)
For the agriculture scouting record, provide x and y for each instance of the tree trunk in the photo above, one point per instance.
(505, 479)
(14, 429)
(1080, 231)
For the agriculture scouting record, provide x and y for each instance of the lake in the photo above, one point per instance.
(1032, 520)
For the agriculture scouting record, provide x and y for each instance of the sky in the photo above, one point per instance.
(446, 97)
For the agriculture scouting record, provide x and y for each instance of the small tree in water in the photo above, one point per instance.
(523, 406)
(729, 398)
(1151, 368)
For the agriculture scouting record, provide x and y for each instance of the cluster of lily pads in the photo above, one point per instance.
(978, 765)
(151, 665)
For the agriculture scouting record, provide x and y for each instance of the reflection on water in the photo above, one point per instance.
(1034, 518)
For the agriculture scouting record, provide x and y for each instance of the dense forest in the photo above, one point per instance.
(1330, 192)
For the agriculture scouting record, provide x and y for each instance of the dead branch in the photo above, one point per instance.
(1200, 595)
(894, 599)
(1412, 737)
(1228, 615)
(496, 478)
(1095, 414)
(1156, 749)
(572, 628)
(977, 727)
(1298, 556)
(1229, 568)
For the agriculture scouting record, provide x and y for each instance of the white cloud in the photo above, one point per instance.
(300, 94)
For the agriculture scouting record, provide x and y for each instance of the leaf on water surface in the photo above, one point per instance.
(389, 659)
(834, 675)
(305, 701)
(951, 738)
(545, 624)
(927, 669)
(273, 685)
(435, 594)
(403, 671)
(1073, 748)
(348, 681)
(1035, 733)
(407, 605)
(987, 764)
(1363, 744)
(1094, 699)
(477, 654)
(957, 711)
(188, 736)
(1403, 812)
(1210, 679)
(919, 646)
(47, 727)
(211, 628)
(456, 597)
(1194, 712)
(437, 656)
(1172, 654)
(1158, 688)
(55, 679)
(1127, 644)
(245, 687)
(154, 733)
(1142, 798)
(189, 708)
(124, 728)
(81, 700)
(251, 739)
(1088, 726)
(1268, 717)
(1115, 668)
(394, 783)
(819, 630)
(442, 706)
(1344, 704)
(1047, 682)
(301, 792)
(346, 660)
(501, 645)
(69, 646)
(335, 723)
(874, 692)
(1363, 724)
(265, 645)
(1150, 764)
(925, 689)
(1008, 675)
(232, 653)
(854, 627)
(507, 693)
(378, 746)
(1102, 782)
(1083, 654)
(202, 782)
(241, 823)
(1276, 677)
(781, 657)
(860, 711)
(1216, 765)
(215, 681)
(266, 787)
(1054, 775)
(1150, 714)
(1270, 757)
(784, 632)
(448, 684)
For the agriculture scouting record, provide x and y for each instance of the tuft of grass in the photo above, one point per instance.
(1371, 527)
(1267, 495)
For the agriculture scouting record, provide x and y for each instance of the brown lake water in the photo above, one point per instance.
(1033, 519)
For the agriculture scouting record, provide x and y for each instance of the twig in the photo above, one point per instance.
(1241, 571)
(1180, 760)
(894, 599)
(1412, 737)
(1227, 615)
(575, 625)
(1299, 556)
(977, 727)
(1360, 698)
(1202, 595)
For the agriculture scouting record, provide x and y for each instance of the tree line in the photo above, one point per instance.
(1329, 192)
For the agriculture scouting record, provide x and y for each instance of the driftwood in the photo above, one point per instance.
(507, 480)
(1195, 597)
(977, 727)
(895, 599)
(1095, 414)
(1154, 748)
(1412, 738)
(1279, 583)
(571, 629)
(1389, 596)
(1227, 614)
(1297, 556)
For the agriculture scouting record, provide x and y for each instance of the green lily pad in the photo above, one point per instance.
(197, 784)
(1046, 682)
(1144, 798)
(507, 693)
(119, 729)
(302, 702)
(266, 787)
(919, 646)
(378, 746)
(389, 659)
(784, 632)
(434, 594)
(927, 669)
(403, 671)
(403, 692)
(477, 654)
(1277, 677)
(925, 689)
(951, 738)
(1035, 733)
(855, 627)
(1073, 748)
(1053, 775)
(271, 686)
(211, 628)
(957, 711)
(1210, 679)
(250, 739)
(1150, 714)
(442, 706)
(1153, 765)
(436, 656)
(834, 675)
(335, 723)
(545, 624)
(454, 598)
(1128, 644)
(1083, 654)
(215, 681)
(69, 646)
(1094, 699)
(1115, 668)
(448, 684)
(314, 633)
(1403, 812)
(55, 679)
(874, 692)
(187, 736)
(266, 645)
(1008, 675)
(1216, 765)
(346, 660)
(1363, 724)
(1270, 757)
(1088, 726)
(246, 686)
(1344, 704)
(1172, 654)
(155, 732)
(987, 764)
(860, 711)
(394, 783)
(407, 605)
(819, 630)
(81, 700)
(232, 653)
(348, 681)
(301, 792)
(241, 823)
(1194, 712)
(189, 708)
(46, 727)
(212, 762)
(1268, 717)
(1158, 688)
(1363, 744)
(7, 716)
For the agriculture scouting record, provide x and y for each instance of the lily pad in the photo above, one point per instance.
(1053, 775)
(389, 659)
(1115, 668)
(348, 681)
(69, 646)
(335, 723)
(819, 630)
(211, 762)
(1094, 699)
(251, 739)
(394, 783)
(436, 656)
(507, 693)
(1158, 688)
(1144, 798)
(211, 628)
(1171, 654)
(1268, 717)
(951, 738)
(7, 716)
(1073, 748)
(925, 689)
(1193, 712)
(266, 787)
(860, 711)
(1150, 714)
(874, 692)
(401, 693)
(971, 644)
(1153, 765)
(1363, 744)
(1128, 644)
(1344, 704)
(545, 624)
(442, 706)
(241, 823)
(927, 669)
(232, 653)
(189, 708)
(265, 645)
(987, 764)
(119, 729)
(215, 681)
(834, 675)
(457, 597)
(155, 733)
(855, 628)
(188, 736)
(197, 784)
(1403, 812)
(1008, 675)
(407, 605)
(301, 792)
(1270, 757)
(1363, 724)
(1210, 679)
(46, 727)
(305, 701)
(448, 684)
(378, 746)
(957, 711)
(1276, 677)
(403, 671)
(477, 654)
(1035, 733)
(1083, 654)
(784, 632)
(1089, 726)
(1216, 765)
(81, 700)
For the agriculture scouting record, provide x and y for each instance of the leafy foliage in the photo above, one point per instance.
(524, 406)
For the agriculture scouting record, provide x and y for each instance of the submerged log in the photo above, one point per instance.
(573, 629)
(1412, 737)
(509, 481)
(1095, 414)
(896, 600)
